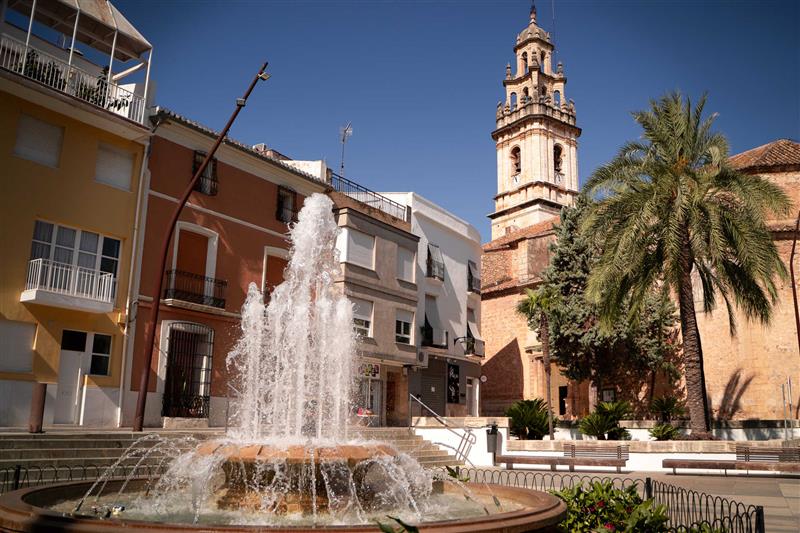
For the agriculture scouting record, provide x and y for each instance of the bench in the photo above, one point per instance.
(573, 455)
(747, 458)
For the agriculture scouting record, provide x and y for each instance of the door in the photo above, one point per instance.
(187, 387)
(71, 368)
(472, 396)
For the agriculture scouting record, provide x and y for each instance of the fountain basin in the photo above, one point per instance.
(31, 510)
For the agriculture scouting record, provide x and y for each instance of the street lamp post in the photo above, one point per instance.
(147, 347)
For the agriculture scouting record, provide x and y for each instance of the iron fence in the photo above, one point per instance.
(688, 510)
(21, 477)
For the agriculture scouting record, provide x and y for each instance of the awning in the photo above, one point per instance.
(473, 270)
(435, 253)
(97, 21)
(472, 326)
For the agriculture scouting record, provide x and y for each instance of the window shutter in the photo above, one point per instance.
(114, 167)
(405, 264)
(405, 316)
(39, 141)
(473, 325)
(362, 309)
(360, 248)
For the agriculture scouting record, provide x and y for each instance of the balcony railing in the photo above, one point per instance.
(61, 76)
(434, 337)
(368, 197)
(286, 214)
(206, 185)
(474, 346)
(70, 280)
(194, 288)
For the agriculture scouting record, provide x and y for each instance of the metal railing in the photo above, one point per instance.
(368, 197)
(473, 283)
(434, 337)
(58, 74)
(435, 269)
(207, 185)
(21, 477)
(687, 509)
(71, 280)
(467, 438)
(285, 214)
(194, 288)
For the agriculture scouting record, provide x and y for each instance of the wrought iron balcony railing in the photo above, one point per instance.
(369, 197)
(435, 269)
(286, 214)
(194, 288)
(58, 74)
(434, 337)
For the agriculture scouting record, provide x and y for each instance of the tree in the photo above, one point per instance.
(669, 207)
(577, 344)
(536, 306)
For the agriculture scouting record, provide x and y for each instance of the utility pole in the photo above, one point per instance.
(146, 354)
(346, 132)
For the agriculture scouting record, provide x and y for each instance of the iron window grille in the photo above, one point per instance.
(187, 387)
(194, 288)
(286, 210)
(207, 183)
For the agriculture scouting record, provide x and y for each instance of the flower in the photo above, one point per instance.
(609, 526)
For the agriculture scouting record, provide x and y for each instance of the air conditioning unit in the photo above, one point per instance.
(422, 359)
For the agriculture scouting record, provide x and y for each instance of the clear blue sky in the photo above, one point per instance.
(420, 80)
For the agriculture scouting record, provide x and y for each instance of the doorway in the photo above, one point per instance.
(472, 396)
(72, 366)
(187, 387)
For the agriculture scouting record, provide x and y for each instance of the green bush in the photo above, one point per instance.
(664, 432)
(602, 507)
(604, 422)
(667, 408)
(528, 419)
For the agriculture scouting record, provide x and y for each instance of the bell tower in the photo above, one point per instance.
(536, 137)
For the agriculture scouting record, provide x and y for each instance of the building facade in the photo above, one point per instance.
(72, 143)
(446, 327)
(537, 175)
(231, 233)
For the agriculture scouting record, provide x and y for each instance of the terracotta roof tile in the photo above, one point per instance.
(536, 230)
(780, 155)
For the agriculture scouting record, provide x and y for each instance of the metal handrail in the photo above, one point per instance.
(368, 197)
(467, 438)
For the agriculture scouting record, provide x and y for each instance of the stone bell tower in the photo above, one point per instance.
(536, 136)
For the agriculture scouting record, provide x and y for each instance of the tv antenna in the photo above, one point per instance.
(345, 132)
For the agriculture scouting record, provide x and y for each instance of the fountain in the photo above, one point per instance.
(290, 458)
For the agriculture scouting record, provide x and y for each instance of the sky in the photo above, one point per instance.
(420, 80)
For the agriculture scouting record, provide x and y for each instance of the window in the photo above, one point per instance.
(557, 157)
(524, 62)
(403, 325)
(114, 167)
(516, 161)
(513, 101)
(362, 317)
(609, 395)
(78, 248)
(74, 341)
(101, 354)
(38, 141)
(474, 343)
(405, 264)
(473, 278)
(356, 248)
(207, 182)
(432, 332)
(525, 96)
(435, 262)
(557, 99)
(287, 210)
(541, 61)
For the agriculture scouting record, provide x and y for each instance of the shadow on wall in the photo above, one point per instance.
(731, 404)
(505, 383)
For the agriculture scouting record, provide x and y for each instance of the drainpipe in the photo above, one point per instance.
(28, 36)
(136, 256)
(72, 43)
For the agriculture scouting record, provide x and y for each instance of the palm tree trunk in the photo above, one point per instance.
(692, 358)
(545, 335)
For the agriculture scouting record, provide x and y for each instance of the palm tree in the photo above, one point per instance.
(671, 211)
(535, 307)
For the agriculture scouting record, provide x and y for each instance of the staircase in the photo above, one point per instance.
(63, 455)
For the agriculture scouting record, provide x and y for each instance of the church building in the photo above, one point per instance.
(537, 174)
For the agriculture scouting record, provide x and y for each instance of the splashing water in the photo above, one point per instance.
(295, 361)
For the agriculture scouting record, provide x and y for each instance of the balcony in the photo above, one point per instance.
(195, 289)
(434, 337)
(51, 71)
(435, 269)
(285, 214)
(69, 287)
(474, 346)
(368, 197)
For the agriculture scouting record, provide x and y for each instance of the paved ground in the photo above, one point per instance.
(780, 496)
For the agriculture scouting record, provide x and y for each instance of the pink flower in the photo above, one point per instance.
(609, 526)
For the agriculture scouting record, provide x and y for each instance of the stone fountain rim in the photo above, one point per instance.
(18, 515)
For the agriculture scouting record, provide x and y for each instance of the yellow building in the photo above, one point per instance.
(72, 145)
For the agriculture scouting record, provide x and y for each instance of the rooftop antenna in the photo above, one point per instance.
(345, 132)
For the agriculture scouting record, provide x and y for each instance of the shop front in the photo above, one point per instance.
(449, 386)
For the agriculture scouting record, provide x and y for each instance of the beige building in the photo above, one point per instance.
(744, 373)
(537, 175)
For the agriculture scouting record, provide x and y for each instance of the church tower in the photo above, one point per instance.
(536, 136)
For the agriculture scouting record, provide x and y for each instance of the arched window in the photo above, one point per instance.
(525, 96)
(513, 101)
(557, 99)
(557, 156)
(541, 61)
(524, 62)
(516, 161)
(542, 93)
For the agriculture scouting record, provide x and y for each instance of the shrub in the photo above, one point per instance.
(604, 422)
(664, 432)
(528, 419)
(602, 507)
(667, 408)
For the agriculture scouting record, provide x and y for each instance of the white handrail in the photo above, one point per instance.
(51, 276)
(467, 438)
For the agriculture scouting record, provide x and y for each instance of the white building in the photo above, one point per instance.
(447, 325)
